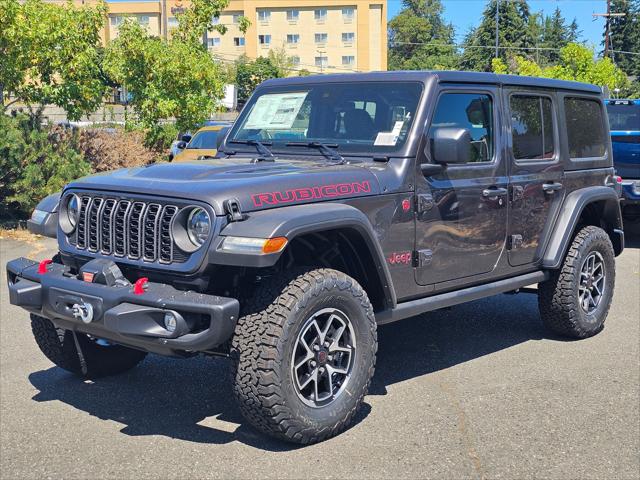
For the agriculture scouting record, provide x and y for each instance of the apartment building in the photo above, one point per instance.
(319, 35)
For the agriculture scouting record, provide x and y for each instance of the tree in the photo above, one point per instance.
(625, 35)
(249, 74)
(514, 31)
(51, 55)
(415, 36)
(283, 62)
(576, 63)
(557, 34)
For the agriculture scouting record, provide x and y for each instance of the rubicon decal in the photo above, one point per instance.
(399, 258)
(310, 193)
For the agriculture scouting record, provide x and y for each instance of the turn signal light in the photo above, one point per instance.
(273, 245)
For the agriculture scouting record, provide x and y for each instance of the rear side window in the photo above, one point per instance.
(532, 127)
(585, 128)
(472, 111)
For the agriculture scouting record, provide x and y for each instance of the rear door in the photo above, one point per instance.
(462, 211)
(535, 184)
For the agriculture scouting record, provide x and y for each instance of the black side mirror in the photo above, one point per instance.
(451, 146)
(181, 145)
(186, 138)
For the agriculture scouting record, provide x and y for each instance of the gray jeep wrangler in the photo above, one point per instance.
(337, 203)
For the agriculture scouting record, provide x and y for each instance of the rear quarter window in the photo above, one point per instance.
(585, 128)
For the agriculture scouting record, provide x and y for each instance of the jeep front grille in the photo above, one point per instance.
(134, 229)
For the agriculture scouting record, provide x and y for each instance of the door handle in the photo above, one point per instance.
(494, 192)
(551, 187)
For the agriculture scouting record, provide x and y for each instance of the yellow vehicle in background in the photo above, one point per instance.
(202, 145)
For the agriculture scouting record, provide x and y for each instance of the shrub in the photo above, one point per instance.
(114, 148)
(35, 162)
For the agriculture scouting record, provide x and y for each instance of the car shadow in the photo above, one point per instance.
(191, 399)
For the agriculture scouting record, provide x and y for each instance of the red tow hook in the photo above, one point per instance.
(42, 267)
(140, 286)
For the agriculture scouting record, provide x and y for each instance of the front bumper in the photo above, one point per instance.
(120, 315)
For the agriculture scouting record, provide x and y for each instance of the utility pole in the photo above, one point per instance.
(497, 28)
(607, 31)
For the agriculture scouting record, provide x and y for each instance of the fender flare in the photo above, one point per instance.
(297, 220)
(572, 209)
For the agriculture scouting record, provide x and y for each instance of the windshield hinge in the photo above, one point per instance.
(232, 207)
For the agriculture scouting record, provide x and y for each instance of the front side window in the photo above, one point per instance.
(205, 139)
(473, 112)
(352, 117)
(532, 127)
(585, 128)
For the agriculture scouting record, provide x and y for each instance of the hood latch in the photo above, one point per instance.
(232, 207)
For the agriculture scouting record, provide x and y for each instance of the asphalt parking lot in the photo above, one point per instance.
(477, 391)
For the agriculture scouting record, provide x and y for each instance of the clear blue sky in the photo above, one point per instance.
(465, 14)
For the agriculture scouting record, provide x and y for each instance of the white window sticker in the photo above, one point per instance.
(389, 138)
(275, 111)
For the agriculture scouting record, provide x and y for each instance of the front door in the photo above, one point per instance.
(462, 211)
(536, 173)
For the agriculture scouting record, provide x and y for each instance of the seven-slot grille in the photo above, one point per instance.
(134, 229)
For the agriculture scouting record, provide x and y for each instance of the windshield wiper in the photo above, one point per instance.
(326, 149)
(260, 146)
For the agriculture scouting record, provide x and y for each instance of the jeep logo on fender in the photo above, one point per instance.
(310, 193)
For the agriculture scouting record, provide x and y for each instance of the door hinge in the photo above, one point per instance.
(425, 202)
(515, 241)
(422, 258)
(517, 192)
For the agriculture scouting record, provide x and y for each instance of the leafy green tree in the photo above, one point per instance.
(250, 74)
(282, 61)
(50, 54)
(514, 31)
(576, 63)
(625, 35)
(416, 35)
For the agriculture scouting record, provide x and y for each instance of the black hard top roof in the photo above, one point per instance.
(441, 76)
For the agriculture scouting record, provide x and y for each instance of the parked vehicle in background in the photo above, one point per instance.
(202, 145)
(624, 122)
(336, 203)
(184, 138)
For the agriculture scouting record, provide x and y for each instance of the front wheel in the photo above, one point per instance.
(304, 354)
(575, 301)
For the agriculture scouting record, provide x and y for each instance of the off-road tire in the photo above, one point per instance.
(558, 297)
(262, 347)
(59, 346)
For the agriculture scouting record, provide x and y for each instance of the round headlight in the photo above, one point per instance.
(69, 213)
(198, 226)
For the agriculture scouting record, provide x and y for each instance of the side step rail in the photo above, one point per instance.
(416, 307)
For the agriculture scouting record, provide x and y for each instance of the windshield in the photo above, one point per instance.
(624, 116)
(353, 117)
(205, 139)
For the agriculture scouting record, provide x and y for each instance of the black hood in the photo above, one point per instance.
(256, 185)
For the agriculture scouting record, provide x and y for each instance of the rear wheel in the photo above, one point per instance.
(575, 301)
(304, 354)
(98, 358)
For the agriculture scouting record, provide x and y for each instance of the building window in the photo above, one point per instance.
(293, 38)
(293, 15)
(348, 37)
(264, 39)
(116, 21)
(264, 15)
(321, 37)
(347, 14)
(295, 61)
(585, 128)
(172, 22)
(322, 62)
(213, 42)
(238, 41)
(532, 127)
(235, 18)
(348, 60)
(320, 15)
(215, 20)
(143, 19)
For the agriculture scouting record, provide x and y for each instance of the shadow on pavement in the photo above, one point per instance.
(191, 399)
